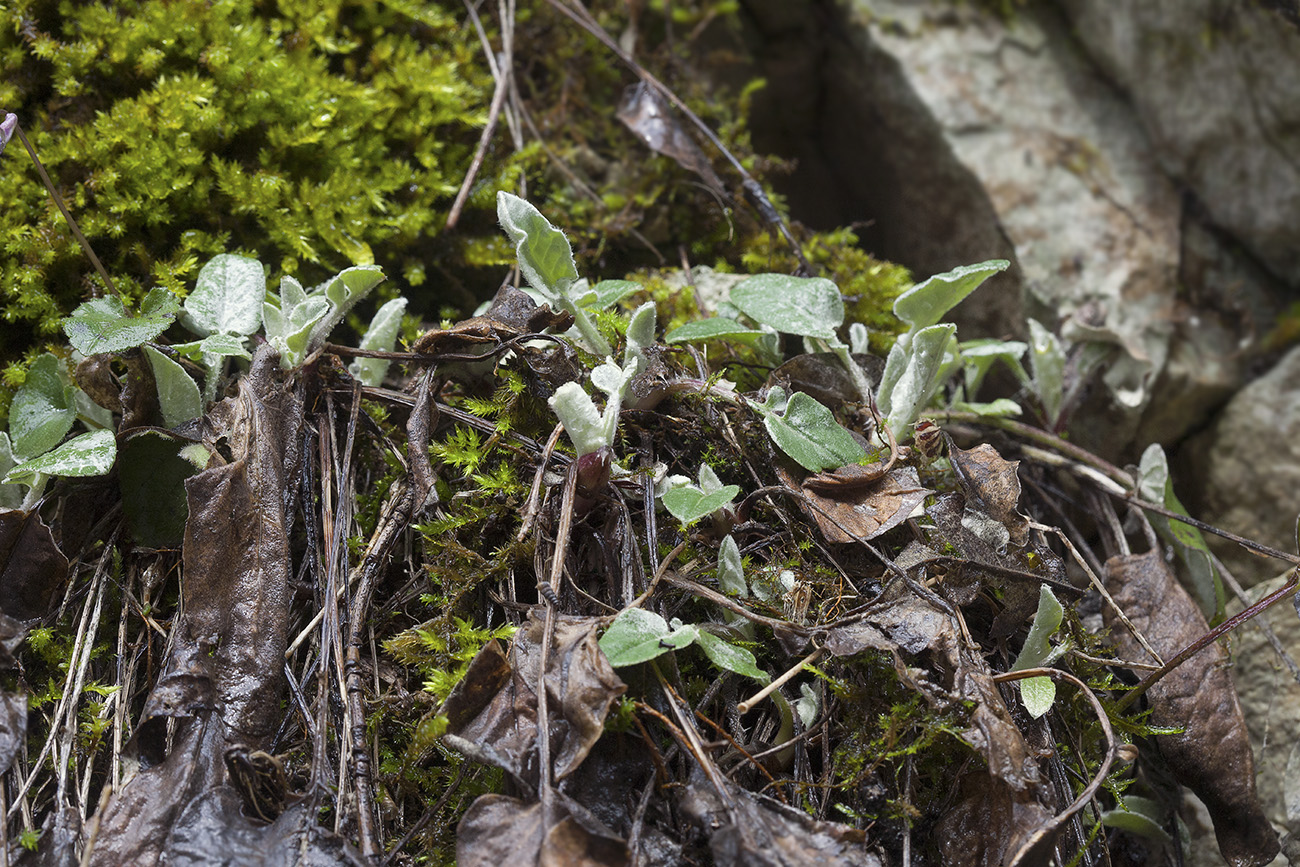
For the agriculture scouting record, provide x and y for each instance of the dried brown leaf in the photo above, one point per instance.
(1212, 756)
(991, 487)
(863, 513)
(31, 566)
(987, 822)
(492, 714)
(223, 679)
(750, 830)
(500, 830)
(511, 314)
(646, 112)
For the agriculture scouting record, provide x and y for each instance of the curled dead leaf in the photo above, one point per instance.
(1212, 755)
(492, 713)
(855, 513)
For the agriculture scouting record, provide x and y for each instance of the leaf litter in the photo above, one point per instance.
(252, 735)
(381, 639)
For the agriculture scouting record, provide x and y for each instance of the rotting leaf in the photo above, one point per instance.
(31, 565)
(213, 830)
(1017, 571)
(581, 687)
(748, 830)
(502, 830)
(223, 679)
(1212, 755)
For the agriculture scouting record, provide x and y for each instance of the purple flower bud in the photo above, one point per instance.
(7, 127)
(593, 472)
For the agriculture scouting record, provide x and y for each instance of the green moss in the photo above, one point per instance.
(309, 135)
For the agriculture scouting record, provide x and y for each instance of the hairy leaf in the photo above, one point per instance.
(545, 257)
(808, 306)
(90, 454)
(381, 336)
(43, 410)
(809, 433)
(227, 299)
(103, 324)
(927, 302)
(178, 395)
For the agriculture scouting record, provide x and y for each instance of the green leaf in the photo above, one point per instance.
(342, 292)
(729, 657)
(227, 298)
(638, 636)
(43, 410)
(911, 376)
(218, 345)
(11, 496)
(90, 454)
(585, 425)
(178, 395)
(152, 469)
(809, 433)
(1155, 485)
(731, 573)
(927, 302)
(808, 306)
(688, 503)
(710, 329)
(381, 336)
(290, 319)
(1141, 816)
(640, 334)
(545, 257)
(1003, 407)
(1047, 359)
(1038, 693)
(610, 292)
(979, 356)
(808, 705)
(103, 325)
(1046, 621)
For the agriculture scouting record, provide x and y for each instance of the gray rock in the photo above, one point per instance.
(1247, 468)
(1217, 87)
(957, 136)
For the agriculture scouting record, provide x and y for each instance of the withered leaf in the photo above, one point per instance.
(953, 674)
(500, 830)
(1017, 570)
(581, 686)
(31, 566)
(212, 831)
(1212, 755)
(511, 314)
(223, 678)
(822, 376)
(863, 513)
(991, 487)
(988, 822)
(646, 112)
(753, 831)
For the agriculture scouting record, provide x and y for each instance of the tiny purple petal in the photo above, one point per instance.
(7, 127)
